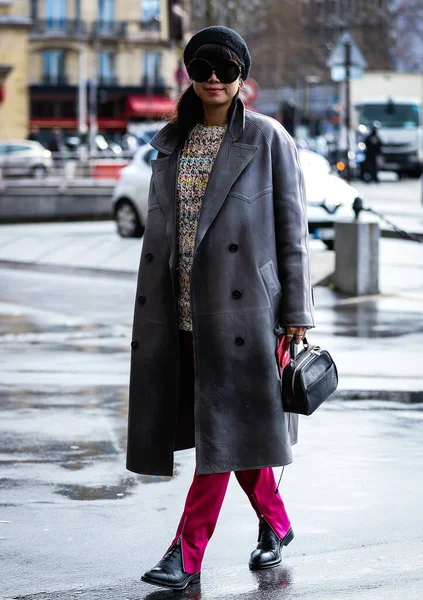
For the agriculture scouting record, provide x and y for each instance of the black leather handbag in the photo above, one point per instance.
(308, 379)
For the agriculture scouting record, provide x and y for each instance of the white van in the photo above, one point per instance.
(400, 130)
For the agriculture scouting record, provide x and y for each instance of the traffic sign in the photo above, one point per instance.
(339, 73)
(336, 60)
(250, 92)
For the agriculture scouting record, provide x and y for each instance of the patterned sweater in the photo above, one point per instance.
(197, 159)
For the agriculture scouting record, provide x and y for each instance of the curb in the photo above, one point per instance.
(402, 396)
(61, 269)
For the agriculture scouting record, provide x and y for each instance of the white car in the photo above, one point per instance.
(328, 196)
(129, 202)
(24, 158)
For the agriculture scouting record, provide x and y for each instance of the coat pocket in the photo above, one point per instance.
(250, 198)
(270, 278)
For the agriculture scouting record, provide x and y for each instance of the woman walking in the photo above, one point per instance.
(224, 265)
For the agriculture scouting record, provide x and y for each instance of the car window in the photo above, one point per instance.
(17, 148)
(2, 149)
(150, 155)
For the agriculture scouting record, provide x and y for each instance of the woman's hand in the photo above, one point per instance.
(297, 333)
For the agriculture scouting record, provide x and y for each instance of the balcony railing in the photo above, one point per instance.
(151, 25)
(107, 80)
(54, 80)
(110, 29)
(59, 27)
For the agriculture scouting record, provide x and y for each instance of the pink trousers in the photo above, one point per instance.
(206, 494)
(203, 504)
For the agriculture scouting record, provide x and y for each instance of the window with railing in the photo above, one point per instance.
(106, 66)
(54, 67)
(33, 10)
(56, 14)
(151, 12)
(152, 69)
(106, 11)
(106, 23)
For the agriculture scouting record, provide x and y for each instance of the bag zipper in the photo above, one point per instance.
(314, 351)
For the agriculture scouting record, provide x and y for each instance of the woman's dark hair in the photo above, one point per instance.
(189, 110)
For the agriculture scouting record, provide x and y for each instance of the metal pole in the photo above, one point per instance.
(82, 96)
(93, 94)
(348, 104)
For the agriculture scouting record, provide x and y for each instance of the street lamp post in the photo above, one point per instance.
(82, 101)
(348, 105)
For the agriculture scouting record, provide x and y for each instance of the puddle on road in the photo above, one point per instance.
(85, 338)
(109, 492)
(366, 320)
(103, 492)
(56, 440)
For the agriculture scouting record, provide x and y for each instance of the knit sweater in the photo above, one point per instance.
(197, 159)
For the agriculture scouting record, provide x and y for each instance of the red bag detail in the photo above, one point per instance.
(282, 352)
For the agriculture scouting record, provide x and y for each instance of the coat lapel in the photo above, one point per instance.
(165, 174)
(230, 162)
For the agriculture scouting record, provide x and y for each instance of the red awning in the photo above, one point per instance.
(150, 106)
(48, 123)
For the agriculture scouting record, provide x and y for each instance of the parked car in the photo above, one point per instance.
(328, 196)
(129, 203)
(24, 158)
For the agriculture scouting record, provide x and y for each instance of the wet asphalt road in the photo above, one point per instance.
(75, 524)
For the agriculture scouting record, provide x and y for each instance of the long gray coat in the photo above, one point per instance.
(250, 273)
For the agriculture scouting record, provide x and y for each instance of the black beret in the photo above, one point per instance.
(223, 36)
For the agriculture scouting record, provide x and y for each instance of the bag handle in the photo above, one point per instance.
(293, 346)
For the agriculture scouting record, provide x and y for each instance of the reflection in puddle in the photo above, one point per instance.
(84, 338)
(273, 579)
(192, 592)
(103, 492)
(366, 320)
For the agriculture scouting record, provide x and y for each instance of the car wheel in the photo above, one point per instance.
(330, 244)
(39, 172)
(127, 220)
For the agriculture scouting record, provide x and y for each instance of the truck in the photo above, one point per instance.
(394, 101)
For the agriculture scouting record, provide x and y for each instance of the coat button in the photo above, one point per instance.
(237, 294)
(149, 257)
(134, 344)
(142, 299)
(239, 341)
(233, 247)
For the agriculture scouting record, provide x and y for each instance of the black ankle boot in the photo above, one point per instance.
(169, 571)
(268, 553)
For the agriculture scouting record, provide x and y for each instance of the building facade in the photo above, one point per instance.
(14, 52)
(123, 55)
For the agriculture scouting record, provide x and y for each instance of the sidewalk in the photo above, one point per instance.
(376, 341)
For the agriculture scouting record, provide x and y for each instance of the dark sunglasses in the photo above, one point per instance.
(227, 71)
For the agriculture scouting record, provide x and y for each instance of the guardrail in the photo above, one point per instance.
(55, 199)
(60, 166)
